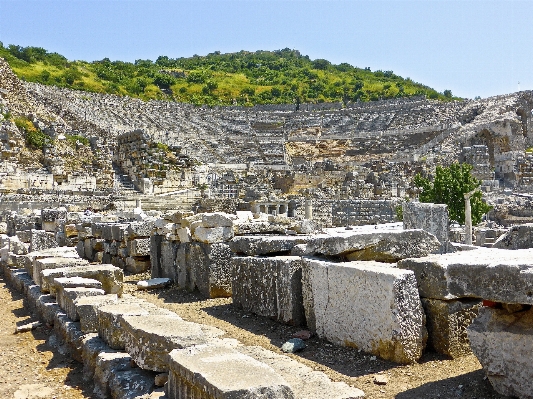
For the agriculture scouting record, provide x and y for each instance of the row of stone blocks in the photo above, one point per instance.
(124, 342)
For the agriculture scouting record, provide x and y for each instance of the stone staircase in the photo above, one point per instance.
(122, 183)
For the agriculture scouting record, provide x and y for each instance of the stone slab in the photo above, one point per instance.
(54, 263)
(111, 277)
(367, 306)
(374, 244)
(150, 338)
(87, 309)
(223, 373)
(493, 274)
(264, 245)
(66, 298)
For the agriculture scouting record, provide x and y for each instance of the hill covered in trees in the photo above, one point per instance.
(243, 78)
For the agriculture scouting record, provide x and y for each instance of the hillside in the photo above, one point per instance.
(243, 78)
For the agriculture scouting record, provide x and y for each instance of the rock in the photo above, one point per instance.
(518, 237)
(263, 245)
(371, 244)
(211, 235)
(28, 327)
(269, 287)
(366, 306)
(149, 338)
(503, 344)
(54, 263)
(447, 321)
(293, 345)
(381, 379)
(153, 283)
(432, 218)
(222, 372)
(139, 247)
(476, 274)
(218, 219)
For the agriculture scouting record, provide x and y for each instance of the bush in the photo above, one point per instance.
(34, 137)
(449, 186)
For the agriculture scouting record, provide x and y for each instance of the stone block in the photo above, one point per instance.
(518, 237)
(119, 231)
(367, 306)
(40, 239)
(107, 364)
(206, 267)
(70, 230)
(140, 229)
(66, 298)
(150, 338)
(87, 310)
(80, 249)
(24, 236)
(111, 277)
(503, 344)
(269, 287)
(92, 347)
(54, 263)
(51, 215)
(447, 321)
(139, 247)
(107, 231)
(373, 244)
(263, 245)
(211, 235)
(432, 218)
(498, 275)
(184, 234)
(17, 247)
(221, 372)
(97, 229)
(218, 219)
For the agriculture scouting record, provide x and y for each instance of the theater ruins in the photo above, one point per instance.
(304, 215)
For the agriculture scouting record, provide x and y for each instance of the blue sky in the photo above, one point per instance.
(472, 47)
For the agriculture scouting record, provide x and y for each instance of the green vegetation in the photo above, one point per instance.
(76, 138)
(449, 186)
(35, 138)
(243, 78)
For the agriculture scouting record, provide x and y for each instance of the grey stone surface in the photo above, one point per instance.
(217, 219)
(139, 247)
(303, 380)
(374, 244)
(518, 237)
(63, 252)
(494, 274)
(263, 245)
(503, 344)
(211, 235)
(110, 276)
(149, 338)
(447, 321)
(87, 309)
(67, 296)
(223, 373)
(367, 306)
(54, 263)
(293, 345)
(40, 239)
(432, 218)
(269, 287)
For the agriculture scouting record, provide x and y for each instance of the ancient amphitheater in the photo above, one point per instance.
(193, 252)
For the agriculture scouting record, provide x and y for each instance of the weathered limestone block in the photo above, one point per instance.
(432, 218)
(365, 305)
(150, 338)
(503, 344)
(206, 267)
(518, 237)
(139, 247)
(54, 263)
(111, 277)
(80, 249)
(92, 347)
(304, 381)
(373, 244)
(67, 296)
(211, 235)
(70, 230)
(87, 310)
(184, 234)
(447, 321)
(269, 287)
(218, 219)
(40, 239)
(162, 258)
(107, 231)
(17, 247)
(221, 372)
(24, 235)
(263, 245)
(134, 383)
(140, 229)
(494, 274)
(50, 218)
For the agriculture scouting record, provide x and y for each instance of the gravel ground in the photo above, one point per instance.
(32, 365)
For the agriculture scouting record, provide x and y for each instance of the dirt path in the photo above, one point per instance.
(29, 367)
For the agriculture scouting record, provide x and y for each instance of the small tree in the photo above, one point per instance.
(449, 186)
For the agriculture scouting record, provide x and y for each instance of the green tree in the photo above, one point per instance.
(449, 186)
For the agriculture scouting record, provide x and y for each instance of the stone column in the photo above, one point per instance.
(468, 218)
(308, 208)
